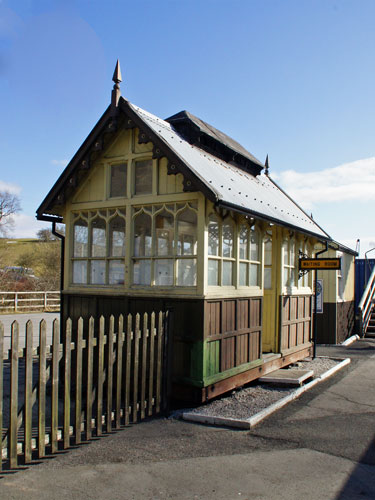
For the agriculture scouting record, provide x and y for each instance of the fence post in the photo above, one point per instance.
(55, 385)
(42, 390)
(13, 420)
(45, 301)
(67, 380)
(15, 302)
(1, 390)
(28, 392)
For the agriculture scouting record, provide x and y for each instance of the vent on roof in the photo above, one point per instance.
(215, 142)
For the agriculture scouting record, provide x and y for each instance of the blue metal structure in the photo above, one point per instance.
(363, 269)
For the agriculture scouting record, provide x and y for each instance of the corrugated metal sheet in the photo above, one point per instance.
(231, 185)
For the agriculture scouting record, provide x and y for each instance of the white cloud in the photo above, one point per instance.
(26, 226)
(62, 163)
(353, 181)
(12, 188)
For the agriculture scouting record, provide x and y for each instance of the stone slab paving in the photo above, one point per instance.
(289, 376)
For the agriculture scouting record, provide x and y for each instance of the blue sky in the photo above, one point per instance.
(290, 78)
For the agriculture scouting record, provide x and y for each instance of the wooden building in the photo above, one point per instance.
(174, 214)
(337, 320)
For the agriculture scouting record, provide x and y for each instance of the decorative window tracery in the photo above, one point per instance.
(249, 256)
(98, 247)
(225, 239)
(165, 245)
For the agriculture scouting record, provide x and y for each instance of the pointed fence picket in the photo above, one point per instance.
(100, 377)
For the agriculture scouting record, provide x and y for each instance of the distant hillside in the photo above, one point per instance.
(43, 257)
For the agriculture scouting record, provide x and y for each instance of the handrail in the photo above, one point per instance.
(366, 304)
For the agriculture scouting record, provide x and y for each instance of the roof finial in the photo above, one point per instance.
(267, 167)
(117, 78)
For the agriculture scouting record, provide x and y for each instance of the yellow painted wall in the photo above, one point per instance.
(330, 278)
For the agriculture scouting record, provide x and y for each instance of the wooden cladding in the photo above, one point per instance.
(232, 333)
(295, 321)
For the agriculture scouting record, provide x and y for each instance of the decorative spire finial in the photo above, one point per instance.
(117, 78)
(267, 167)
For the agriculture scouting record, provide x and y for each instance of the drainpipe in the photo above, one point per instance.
(62, 239)
(315, 330)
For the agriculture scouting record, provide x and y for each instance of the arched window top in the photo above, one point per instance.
(142, 234)
(187, 232)
(164, 232)
(254, 244)
(80, 243)
(117, 236)
(228, 237)
(213, 235)
(98, 237)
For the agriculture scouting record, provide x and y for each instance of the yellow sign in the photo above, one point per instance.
(324, 264)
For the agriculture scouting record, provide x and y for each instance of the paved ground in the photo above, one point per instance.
(319, 447)
(7, 320)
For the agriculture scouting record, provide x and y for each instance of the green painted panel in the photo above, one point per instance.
(196, 360)
(211, 358)
(212, 379)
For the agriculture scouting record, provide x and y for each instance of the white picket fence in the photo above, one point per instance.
(29, 301)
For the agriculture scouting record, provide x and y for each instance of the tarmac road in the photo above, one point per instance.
(36, 318)
(321, 446)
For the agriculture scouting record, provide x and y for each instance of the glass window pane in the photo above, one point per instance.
(213, 236)
(80, 239)
(116, 272)
(268, 252)
(286, 253)
(187, 233)
(292, 252)
(97, 276)
(243, 274)
(164, 272)
(164, 229)
(117, 237)
(118, 180)
(80, 271)
(286, 275)
(267, 278)
(142, 235)
(98, 242)
(227, 273)
(186, 272)
(228, 233)
(143, 177)
(254, 248)
(244, 241)
(213, 272)
(142, 272)
(254, 274)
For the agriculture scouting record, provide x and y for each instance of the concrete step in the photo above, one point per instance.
(287, 377)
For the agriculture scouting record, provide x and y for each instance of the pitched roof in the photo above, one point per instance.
(227, 184)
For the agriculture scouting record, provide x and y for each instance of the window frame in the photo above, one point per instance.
(173, 257)
(107, 215)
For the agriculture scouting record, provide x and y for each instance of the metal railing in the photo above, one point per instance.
(29, 301)
(366, 304)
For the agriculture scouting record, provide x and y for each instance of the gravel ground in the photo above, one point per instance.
(246, 402)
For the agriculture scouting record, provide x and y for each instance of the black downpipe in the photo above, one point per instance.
(315, 330)
(62, 239)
